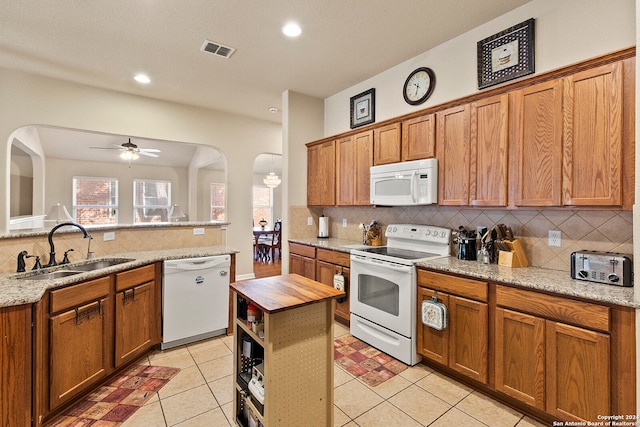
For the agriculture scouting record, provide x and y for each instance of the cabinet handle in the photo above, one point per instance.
(88, 312)
(129, 296)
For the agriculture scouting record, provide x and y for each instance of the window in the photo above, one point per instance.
(217, 202)
(151, 201)
(95, 200)
(262, 204)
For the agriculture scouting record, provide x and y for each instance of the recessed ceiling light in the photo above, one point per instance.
(291, 30)
(142, 78)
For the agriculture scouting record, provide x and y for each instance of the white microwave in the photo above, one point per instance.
(405, 183)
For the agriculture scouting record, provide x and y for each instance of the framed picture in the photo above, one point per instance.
(506, 55)
(363, 108)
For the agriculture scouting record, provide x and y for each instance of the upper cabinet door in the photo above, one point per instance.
(453, 156)
(321, 174)
(489, 151)
(346, 173)
(592, 151)
(537, 145)
(419, 138)
(386, 145)
(363, 162)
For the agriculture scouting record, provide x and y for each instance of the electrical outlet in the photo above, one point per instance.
(344, 222)
(198, 231)
(555, 238)
(310, 220)
(110, 235)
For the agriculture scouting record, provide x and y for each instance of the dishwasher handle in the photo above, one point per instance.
(195, 264)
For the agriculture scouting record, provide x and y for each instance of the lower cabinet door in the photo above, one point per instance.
(469, 337)
(324, 274)
(78, 351)
(520, 356)
(431, 343)
(134, 312)
(578, 381)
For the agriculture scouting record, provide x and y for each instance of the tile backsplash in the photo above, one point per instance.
(602, 230)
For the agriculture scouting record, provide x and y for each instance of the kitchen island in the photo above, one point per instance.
(295, 351)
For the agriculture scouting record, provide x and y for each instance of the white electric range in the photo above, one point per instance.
(384, 287)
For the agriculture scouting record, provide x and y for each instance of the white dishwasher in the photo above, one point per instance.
(195, 299)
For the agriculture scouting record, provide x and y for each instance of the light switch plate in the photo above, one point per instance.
(110, 235)
(198, 231)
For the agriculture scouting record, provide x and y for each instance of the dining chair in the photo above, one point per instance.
(271, 242)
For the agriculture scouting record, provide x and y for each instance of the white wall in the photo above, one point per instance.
(566, 31)
(27, 99)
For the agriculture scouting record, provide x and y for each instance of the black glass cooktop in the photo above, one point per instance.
(398, 253)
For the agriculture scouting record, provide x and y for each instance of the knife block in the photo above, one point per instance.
(514, 258)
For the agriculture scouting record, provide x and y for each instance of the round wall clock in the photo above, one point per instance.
(419, 85)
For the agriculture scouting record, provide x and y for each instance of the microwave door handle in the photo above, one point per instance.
(414, 176)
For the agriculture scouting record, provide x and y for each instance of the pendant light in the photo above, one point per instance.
(272, 180)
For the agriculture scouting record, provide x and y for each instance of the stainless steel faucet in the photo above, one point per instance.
(52, 250)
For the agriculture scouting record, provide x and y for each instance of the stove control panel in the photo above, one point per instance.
(611, 268)
(424, 233)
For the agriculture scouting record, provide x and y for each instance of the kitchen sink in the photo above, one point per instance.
(96, 265)
(50, 276)
(72, 269)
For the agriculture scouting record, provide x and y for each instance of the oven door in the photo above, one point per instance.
(383, 293)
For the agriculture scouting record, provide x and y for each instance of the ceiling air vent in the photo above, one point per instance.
(217, 49)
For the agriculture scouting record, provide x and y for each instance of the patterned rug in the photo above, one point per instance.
(113, 403)
(365, 362)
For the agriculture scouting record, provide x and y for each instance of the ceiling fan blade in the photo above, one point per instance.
(144, 153)
(150, 150)
(104, 148)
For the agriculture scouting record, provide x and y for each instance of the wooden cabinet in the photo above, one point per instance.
(488, 145)
(15, 366)
(329, 263)
(453, 153)
(81, 332)
(137, 312)
(387, 144)
(419, 138)
(321, 174)
(302, 260)
(296, 349)
(87, 331)
(536, 167)
(354, 158)
(554, 354)
(464, 344)
(592, 151)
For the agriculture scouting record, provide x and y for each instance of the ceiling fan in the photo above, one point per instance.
(130, 151)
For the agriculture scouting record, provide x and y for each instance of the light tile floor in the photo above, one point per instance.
(202, 392)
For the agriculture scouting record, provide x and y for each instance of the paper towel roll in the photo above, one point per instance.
(323, 229)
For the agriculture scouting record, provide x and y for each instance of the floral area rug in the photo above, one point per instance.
(114, 402)
(365, 362)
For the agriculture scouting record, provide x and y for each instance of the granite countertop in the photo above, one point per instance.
(14, 291)
(542, 279)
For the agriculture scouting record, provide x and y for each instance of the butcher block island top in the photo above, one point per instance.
(278, 293)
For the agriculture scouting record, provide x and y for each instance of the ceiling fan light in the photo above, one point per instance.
(129, 155)
(272, 180)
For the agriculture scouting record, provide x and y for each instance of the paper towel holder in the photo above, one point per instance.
(323, 227)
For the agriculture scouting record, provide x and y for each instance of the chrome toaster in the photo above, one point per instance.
(611, 268)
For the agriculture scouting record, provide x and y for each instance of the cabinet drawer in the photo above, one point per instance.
(472, 289)
(304, 250)
(81, 293)
(565, 310)
(334, 257)
(135, 277)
